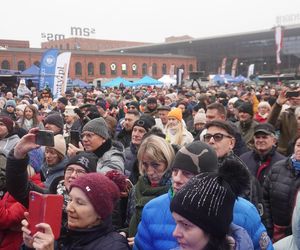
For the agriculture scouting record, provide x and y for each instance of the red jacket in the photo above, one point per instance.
(11, 215)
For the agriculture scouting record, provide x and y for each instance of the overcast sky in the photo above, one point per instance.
(139, 20)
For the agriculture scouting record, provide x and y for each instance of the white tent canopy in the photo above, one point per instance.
(167, 80)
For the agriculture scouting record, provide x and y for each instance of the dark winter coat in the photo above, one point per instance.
(124, 137)
(280, 187)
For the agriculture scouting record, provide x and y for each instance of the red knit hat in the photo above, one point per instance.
(102, 192)
(7, 122)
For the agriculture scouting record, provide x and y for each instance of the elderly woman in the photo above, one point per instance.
(92, 199)
(262, 114)
(155, 156)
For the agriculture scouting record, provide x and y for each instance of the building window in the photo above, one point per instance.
(21, 66)
(5, 65)
(90, 69)
(102, 69)
(37, 63)
(154, 69)
(144, 69)
(60, 46)
(68, 46)
(134, 69)
(78, 69)
(191, 68)
(124, 69)
(113, 69)
(164, 69)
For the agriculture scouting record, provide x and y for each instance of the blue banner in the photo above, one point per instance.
(47, 70)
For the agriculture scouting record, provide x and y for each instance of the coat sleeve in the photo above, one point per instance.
(143, 237)
(11, 216)
(274, 117)
(267, 215)
(17, 181)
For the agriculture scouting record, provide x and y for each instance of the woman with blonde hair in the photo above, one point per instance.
(176, 133)
(262, 114)
(155, 156)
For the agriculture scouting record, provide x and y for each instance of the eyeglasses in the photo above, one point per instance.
(88, 136)
(217, 137)
(78, 172)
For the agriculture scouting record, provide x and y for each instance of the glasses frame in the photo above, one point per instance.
(221, 137)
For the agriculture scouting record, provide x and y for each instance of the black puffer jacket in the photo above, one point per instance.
(253, 160)
(100, 237)
(280, 189)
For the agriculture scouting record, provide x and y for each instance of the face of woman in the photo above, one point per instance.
(28, 113)
(72, 172)
(51, 156)
(19, 113)
(173, 122)
(81, 213)
(188, 235)
(154, 169)
(297, 150)
(263, 110)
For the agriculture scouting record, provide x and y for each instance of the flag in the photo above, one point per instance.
(250, 70)
(278, 42)
(61, 74)
(234, 65)
(223, 66)
(47, 68)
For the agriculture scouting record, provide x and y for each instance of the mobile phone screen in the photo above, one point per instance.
(75, 137)
(45, 138)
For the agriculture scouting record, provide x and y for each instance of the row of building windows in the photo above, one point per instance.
(113, 68)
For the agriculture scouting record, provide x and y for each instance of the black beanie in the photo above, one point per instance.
(63, 100)
(145, 121)
(207, 201)
(196, 157)
(56, 120)
(246, 107)
(86, 160)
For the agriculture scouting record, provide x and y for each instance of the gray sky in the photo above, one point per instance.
(139, 20)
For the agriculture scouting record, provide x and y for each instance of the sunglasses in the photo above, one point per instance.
(217, 137)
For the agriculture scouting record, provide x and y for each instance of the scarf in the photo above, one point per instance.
(295, 163)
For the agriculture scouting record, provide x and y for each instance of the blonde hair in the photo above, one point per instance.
(264, 104)
(178, 137)
(155, 148)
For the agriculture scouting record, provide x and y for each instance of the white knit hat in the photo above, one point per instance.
(200, 118)
(60, 144)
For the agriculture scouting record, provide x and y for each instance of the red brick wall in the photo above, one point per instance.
(89, 44)
(29, 57)
(14, 43)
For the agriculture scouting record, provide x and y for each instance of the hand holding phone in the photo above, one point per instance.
(75, 138)
(45, 208)
(290, 94)
(45, 138)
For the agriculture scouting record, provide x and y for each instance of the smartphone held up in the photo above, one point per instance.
(45, 138)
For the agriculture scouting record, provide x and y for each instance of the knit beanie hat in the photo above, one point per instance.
(101, 103)
(55, 119)
(70, 110)
(246, 107)
(10, 103)
(102, 192)
(145, 121)
(200, 118)
(196, 157)
(8, 123)
(86, 160)
(21, 107)
(97, 126)
(63, 100)
(151, 100)
(60, 144)
(177, 113)
(207, 201)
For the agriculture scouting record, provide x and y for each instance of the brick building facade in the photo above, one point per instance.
(91, 65)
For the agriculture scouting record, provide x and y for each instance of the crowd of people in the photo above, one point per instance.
(154, 168)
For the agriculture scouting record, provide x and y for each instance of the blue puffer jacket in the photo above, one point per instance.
(157, 225)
